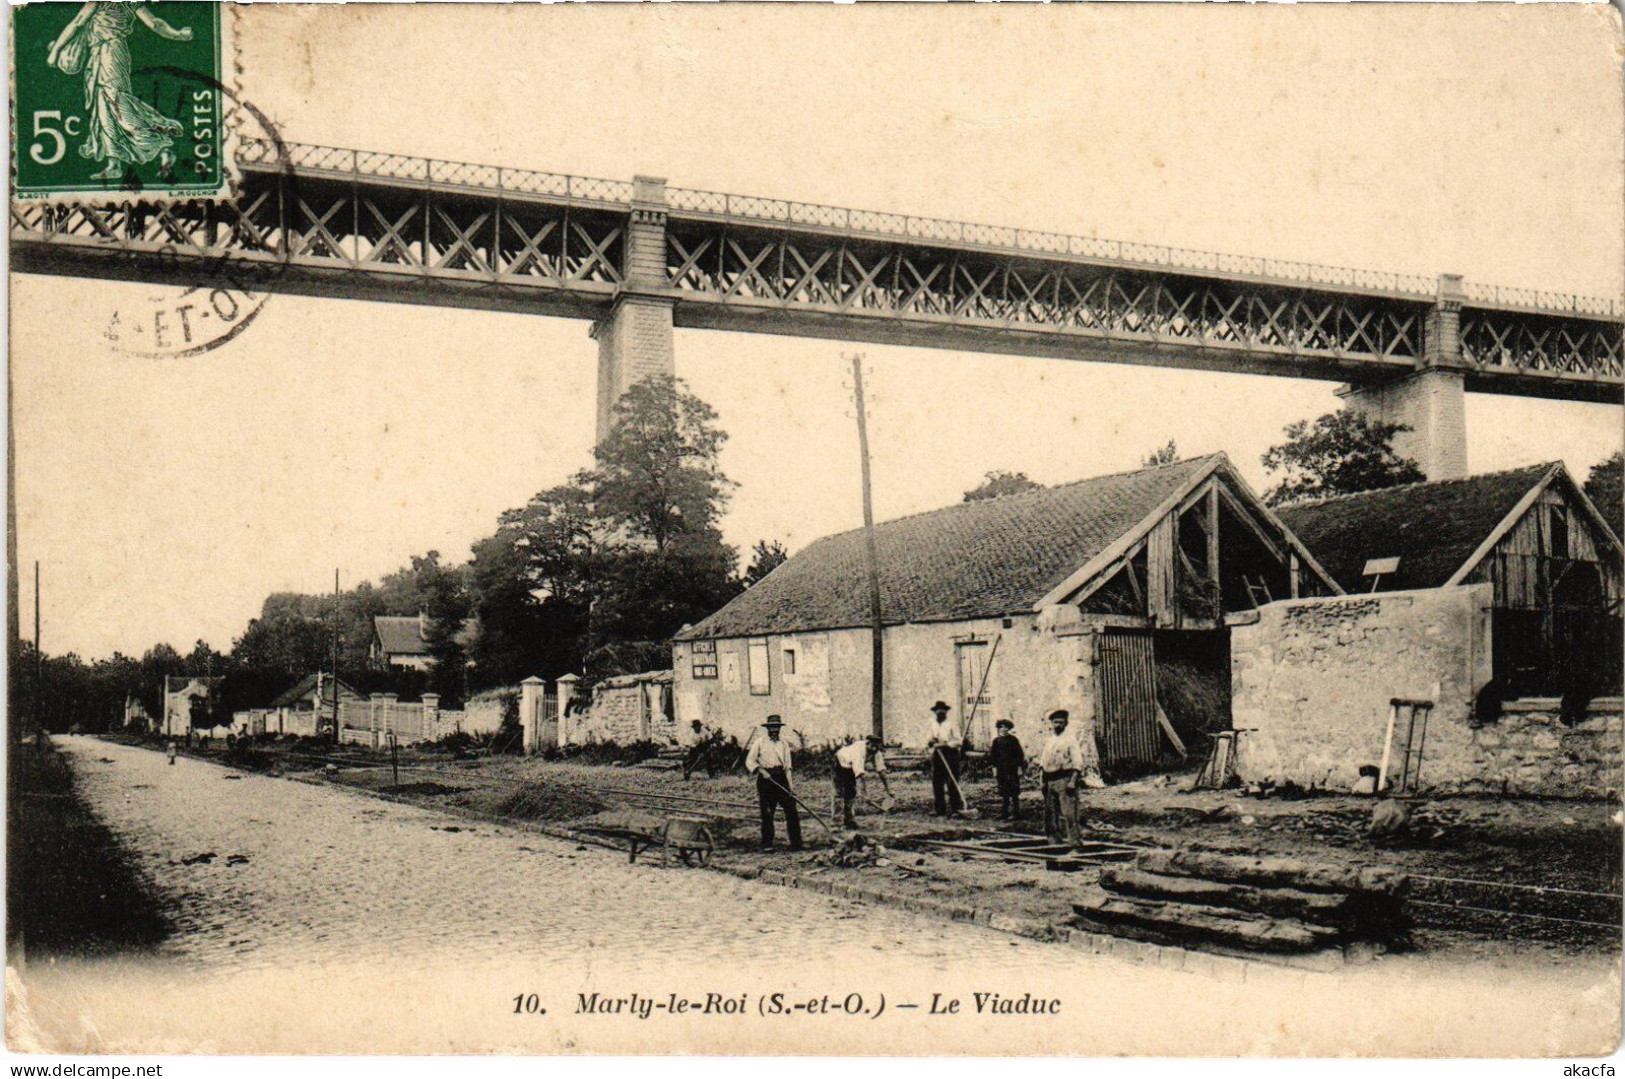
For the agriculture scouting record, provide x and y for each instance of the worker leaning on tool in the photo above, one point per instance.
(769, 761)
(1062, 761)
(943, 745)
(849, 762)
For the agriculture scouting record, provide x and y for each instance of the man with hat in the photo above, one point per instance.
(769, 761)
(1008, 759)
(1062, 763)
(943, 745)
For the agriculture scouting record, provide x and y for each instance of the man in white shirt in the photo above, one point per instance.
(1062, 761)
(849, 762)
(769, 761)
(943, 745)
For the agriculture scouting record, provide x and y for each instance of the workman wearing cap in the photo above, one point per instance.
(1008, 759)
(1062, 762)
(769, 761)
(943, 745)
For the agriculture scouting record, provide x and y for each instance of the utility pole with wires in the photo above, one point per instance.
(335, 658)
(877, 698)
(39, 662)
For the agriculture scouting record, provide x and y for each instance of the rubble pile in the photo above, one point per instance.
(1278, 905)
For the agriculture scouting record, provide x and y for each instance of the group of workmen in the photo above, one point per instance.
(1065, 763)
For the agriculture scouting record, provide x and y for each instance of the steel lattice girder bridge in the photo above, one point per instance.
(329, 222)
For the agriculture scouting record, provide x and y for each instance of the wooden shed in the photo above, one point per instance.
(1555, 566)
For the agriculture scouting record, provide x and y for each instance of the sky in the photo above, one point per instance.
(166, 497)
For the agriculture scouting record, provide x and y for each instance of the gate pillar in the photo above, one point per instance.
(1430, 401)
(530, 712)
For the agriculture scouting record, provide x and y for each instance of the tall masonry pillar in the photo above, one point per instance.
(1431, 400)
(635, 338)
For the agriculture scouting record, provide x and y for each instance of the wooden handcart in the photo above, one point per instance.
(690, 838)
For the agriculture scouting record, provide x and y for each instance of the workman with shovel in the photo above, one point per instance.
(769, 761)
(944, 745)
(1062, 762)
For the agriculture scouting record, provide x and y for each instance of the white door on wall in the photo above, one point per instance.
(975, 691)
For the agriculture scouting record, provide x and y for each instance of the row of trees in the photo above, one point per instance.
(592, 577)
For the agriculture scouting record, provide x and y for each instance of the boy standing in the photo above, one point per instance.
(1008, 759)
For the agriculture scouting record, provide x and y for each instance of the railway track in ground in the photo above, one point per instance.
(1474, 904)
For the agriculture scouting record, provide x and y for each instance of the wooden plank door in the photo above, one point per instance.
(1126, 677)
(972, 659)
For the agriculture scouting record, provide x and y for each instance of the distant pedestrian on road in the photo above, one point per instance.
(1008, 759)
(1062, 762)
(769, 761)
(172, 750)
(944, 745)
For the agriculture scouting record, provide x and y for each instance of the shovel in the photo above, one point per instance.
(965, 810)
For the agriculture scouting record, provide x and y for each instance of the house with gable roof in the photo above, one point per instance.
(1084, 596)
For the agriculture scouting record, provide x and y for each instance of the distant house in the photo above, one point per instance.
(184, 696)
(304, 706)
(1531, 533)
(1109, 597)
(400, 641)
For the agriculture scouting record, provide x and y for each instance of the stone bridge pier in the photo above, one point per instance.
(635, 339)
(1430, 401)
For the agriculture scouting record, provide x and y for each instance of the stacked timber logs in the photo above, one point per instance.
(1256, 904)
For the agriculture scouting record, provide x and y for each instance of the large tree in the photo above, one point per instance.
(1342, 452)
(1603, 486)
(658, 475)
(1000, 482)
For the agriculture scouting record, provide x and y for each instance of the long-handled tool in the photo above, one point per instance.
(810, 810)
(965, 809)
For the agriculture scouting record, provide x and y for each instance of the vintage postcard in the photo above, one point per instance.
(815, 530)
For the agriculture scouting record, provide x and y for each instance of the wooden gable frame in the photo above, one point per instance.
(1157, 535)
(1556, 475)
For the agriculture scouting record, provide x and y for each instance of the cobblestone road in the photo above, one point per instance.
(312, 919)
(264, 871)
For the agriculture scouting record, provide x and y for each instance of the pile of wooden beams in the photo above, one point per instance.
(1279, 905)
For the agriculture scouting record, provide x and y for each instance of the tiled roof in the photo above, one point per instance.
(306, 687)
(982, 559)
(400, 636)
(403, 635)
(1433, 528)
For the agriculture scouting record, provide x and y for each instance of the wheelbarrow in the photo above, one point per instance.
(689, 837)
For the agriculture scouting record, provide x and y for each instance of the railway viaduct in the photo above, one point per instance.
(640, 258)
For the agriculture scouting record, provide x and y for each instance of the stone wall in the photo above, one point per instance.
(624, 710)
(1530, 750)
(1314, 678)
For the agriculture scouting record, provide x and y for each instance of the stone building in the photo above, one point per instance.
(1108, 597)
(1496, 598)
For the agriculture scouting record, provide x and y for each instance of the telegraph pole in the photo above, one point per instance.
(877, 699)
(39, 662)
(335, 657)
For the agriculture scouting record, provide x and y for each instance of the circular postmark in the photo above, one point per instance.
(216, 266)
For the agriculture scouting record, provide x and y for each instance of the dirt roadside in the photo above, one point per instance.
(1490, 876)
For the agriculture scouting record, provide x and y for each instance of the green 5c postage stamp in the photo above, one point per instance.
(120, 101)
